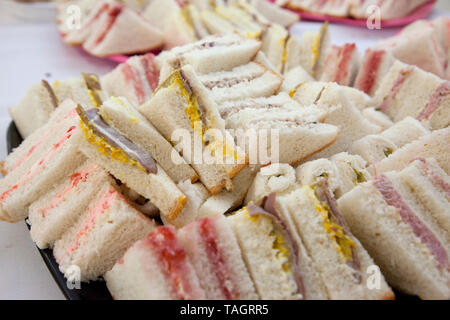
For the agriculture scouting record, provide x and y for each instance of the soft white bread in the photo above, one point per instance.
(134, 79)
(142, 273)
(433, 145)
(262, 59)
(274, 13)
(266, 256)
(137, 5)
(225, 201)
(274, 45)
(338, 256)
(211, 54)
(311, 172)
(112, 36)
(101, 235)
(375, 65)
(377, 117)
(54, 213)
(252, 80)
(159, 12)
(34, 110)
(32, 148)
(122, 116)
(410, 91)
(221, 271)
(275, 178)
(295, 78)
(196, 195)
(192, 114)
(314, 46)
(341, 65)
(31, 180)
(397, 237)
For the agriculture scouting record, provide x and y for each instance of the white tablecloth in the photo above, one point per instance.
(34, 51)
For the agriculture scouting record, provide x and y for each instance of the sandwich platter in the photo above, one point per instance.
(420, 13)
(95, 290)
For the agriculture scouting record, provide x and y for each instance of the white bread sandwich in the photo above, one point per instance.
(417, 45)
(375, 148)
(102, 234)
(137, 5)
(155, 268)
(389, 9)
(211, 54)
(195, 120)
(377, 117)
(111, 33)
(54, 213)
(50, 158)
(314, 48)
(274, 41)
(274, 13)
(252, 80)
(274, 178)
(402, 232)
(277, 128)
(295, 78)
(215, 254)
(341, 65)
(339, 257)
(441, 26)
(35, 108)
(275, 255)
(159, 13)
(135, 79)
(410, 91)
(375, 65)
(433, 145)
(129, 160)
(184, 26)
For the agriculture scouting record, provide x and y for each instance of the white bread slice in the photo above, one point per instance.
(375, 65)
(159, 12)
(134, 79)
(275, 14)
(311, 172)
(433, 145)
(341, 65)
(30, 181)
(314, 46)
(377, 117)
(295, 78)
(327, 248)
(264, 252)
(32, 148)
(404, 259)
(156, 186)
(352, 171)
(214, 252)
(122, 116)
(142, 273)
(275, 178)
(373, 148)
(192, 110)
(112, 36)
(262, 59)
(196, 195)
(405, 131)
(211, 54)
(252, 80)
(101, 235)
(225, 201)
(54, 213)
(34, 109)
(274, 42)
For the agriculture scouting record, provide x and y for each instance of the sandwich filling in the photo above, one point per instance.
(317, 47)
(345, 55)
(113, 13)
(370, 69)
(112, 143)
(426, 236)
(439, 95)
(93, 85)
(335, 225)
(173, 263)
(284, 242)
(51, 93)
(131, 75)
(434, 176)
(398, 84)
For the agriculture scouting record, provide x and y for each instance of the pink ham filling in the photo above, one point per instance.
(131, 75)
(98, 209)
(173, 261)
(75, 179)
(345, 57)
(39, 165)
(426, 236)
(403, 76)
(113, 14)
(71, 114)
(438, 96)
(371, 71)
(434, 176)
(97, 15)
(217, 259)
(151, 72)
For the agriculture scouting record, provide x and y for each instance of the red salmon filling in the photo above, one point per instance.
(345, 55)
(208, 234)
(426, 236)
(370, 71)
(172, 259)
(151, 72)
(132, 76)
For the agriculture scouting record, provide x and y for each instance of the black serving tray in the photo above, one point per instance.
(94, 290)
